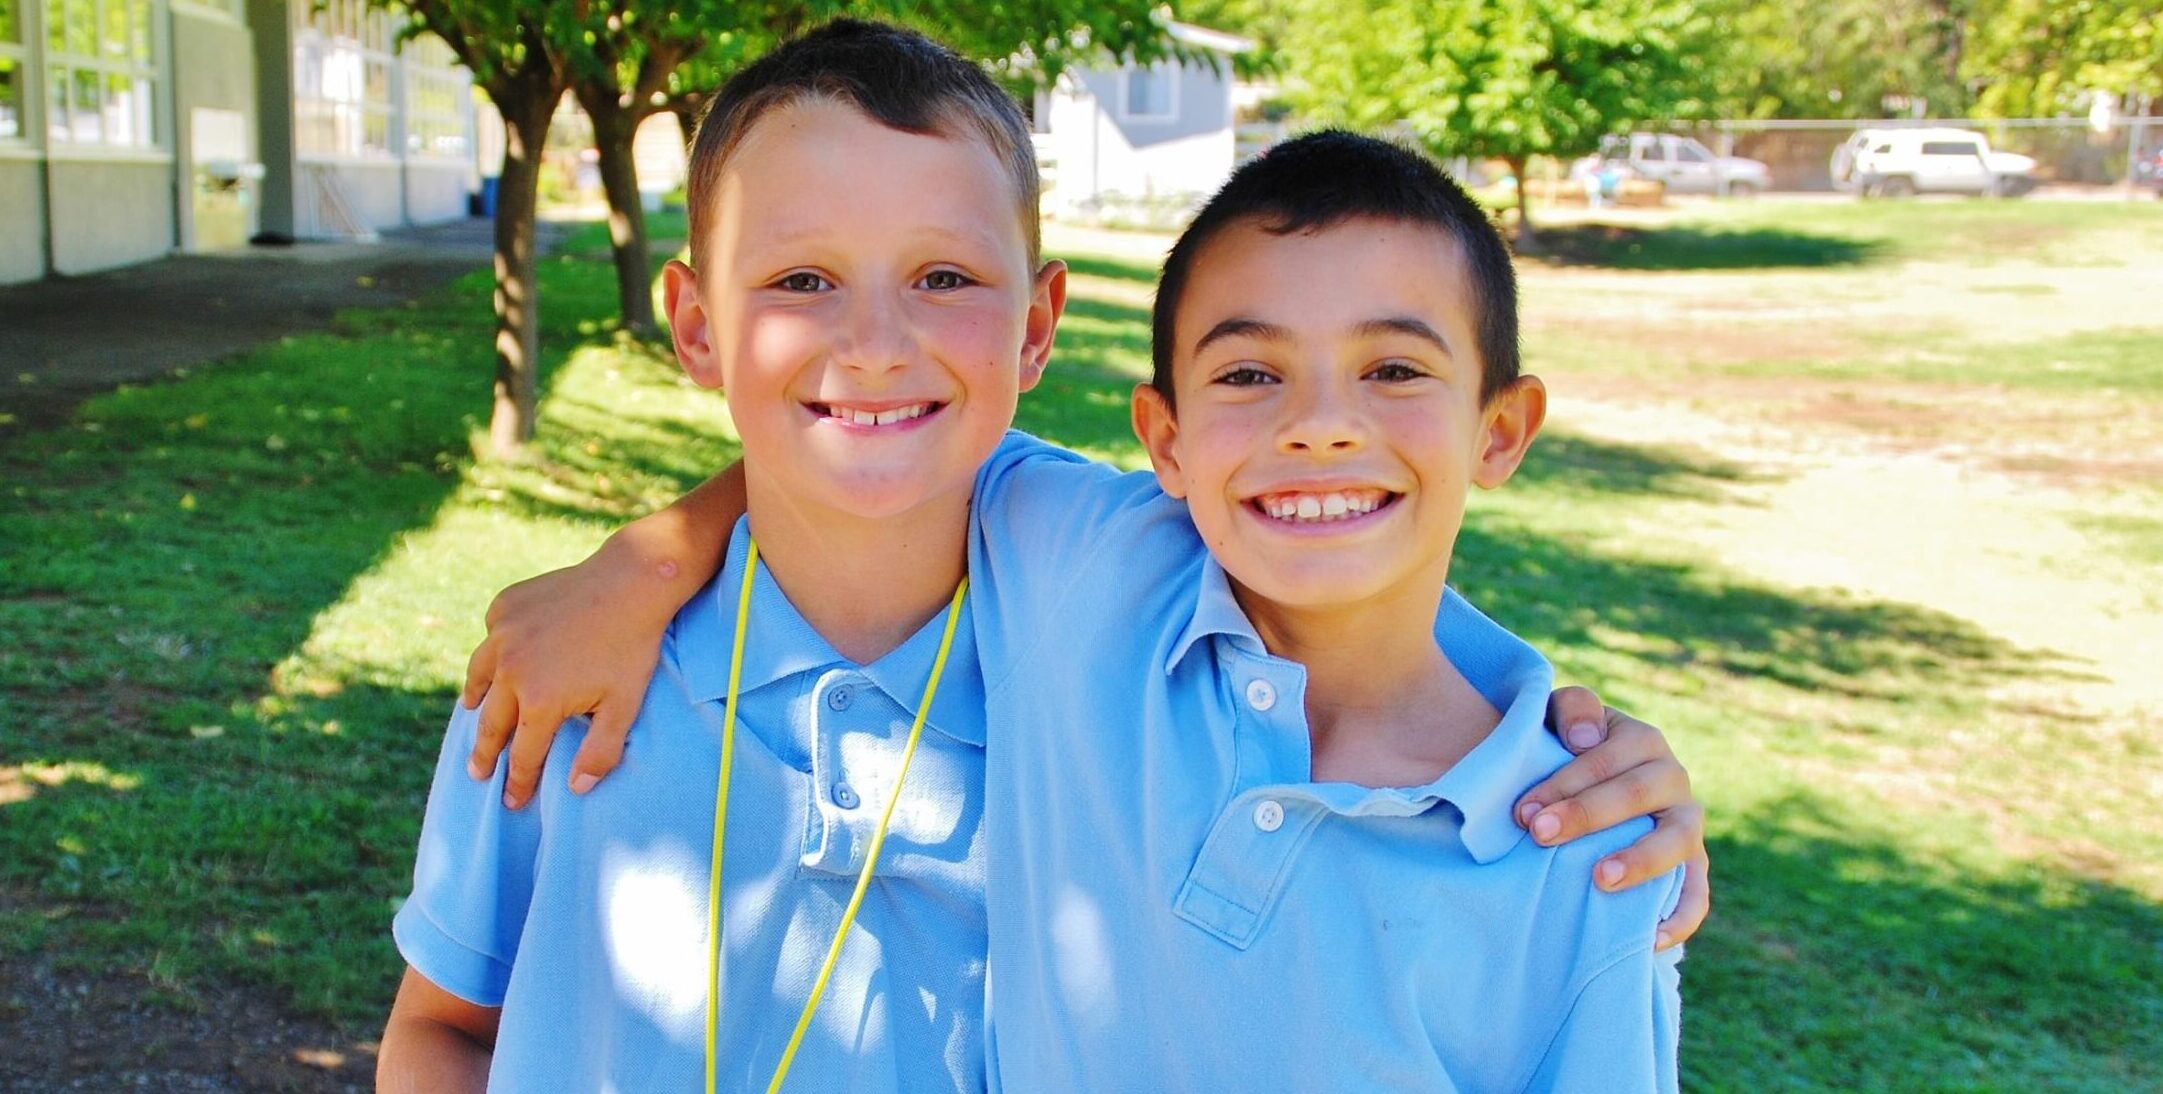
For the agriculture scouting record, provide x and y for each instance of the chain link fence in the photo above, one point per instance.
(2069, 152)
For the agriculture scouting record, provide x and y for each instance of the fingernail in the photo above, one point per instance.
(1661, 941)
(1525, 813)
(582, 782)
(1609, 873)
(1546, 827)
(479, 773)
(509, 802)
(1584, 735)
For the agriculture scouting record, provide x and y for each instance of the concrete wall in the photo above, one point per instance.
(215, 74)
(22, 230)
(110, 212)
(436, 192)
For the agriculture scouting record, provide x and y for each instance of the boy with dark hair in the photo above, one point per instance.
(1259, 832)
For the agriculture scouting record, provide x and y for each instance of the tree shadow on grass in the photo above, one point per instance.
(1683, 247)
(1840, 961)
(173, 814)
(1561, 460)
(1561, 596)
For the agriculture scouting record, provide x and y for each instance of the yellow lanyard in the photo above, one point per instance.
(720, 826)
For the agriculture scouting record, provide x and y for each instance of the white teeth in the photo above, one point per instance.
(1335, 505)
(880, 417)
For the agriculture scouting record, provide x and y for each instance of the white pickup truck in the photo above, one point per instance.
(1900, 162)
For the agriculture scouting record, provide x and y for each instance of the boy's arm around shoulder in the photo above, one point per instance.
(584, 639)
(1622, 1030)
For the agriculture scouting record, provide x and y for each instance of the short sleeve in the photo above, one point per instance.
(472, 877)
(1042, 514)
(1623, 1031)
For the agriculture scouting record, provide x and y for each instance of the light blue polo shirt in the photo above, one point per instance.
(584, 918)
(1174, 905)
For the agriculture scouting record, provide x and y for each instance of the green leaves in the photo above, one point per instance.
(1500, 77)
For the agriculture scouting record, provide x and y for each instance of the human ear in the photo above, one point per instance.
(689, 326)
(1047, 302)
(1158, 429)
(1510, 422)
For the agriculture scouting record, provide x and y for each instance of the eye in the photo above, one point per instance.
(946, 280)
(803, 282)
(1395, 372)
(1246, 376)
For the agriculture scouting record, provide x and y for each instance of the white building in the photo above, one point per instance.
(131, 129)
(1140, 140)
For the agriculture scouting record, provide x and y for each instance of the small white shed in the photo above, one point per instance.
(1143, 142)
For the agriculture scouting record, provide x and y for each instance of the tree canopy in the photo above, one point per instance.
(1507, 78)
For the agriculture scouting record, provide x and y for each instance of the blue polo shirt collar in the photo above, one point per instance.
(782, 645)
(1216, 611)
(1484, 786)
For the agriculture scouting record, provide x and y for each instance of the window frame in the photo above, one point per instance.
(429, 64)
(17, 49)
(137, 63)
(1169, 72)
(346, 32)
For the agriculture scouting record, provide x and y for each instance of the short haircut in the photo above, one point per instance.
(897, 77)
(1323, 179)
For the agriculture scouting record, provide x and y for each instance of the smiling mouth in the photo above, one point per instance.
(1321, 507)
(859, 416)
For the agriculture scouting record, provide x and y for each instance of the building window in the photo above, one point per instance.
(344, 55)
(1151, 93)
(101, 73)
(14, 74)
(439, 101)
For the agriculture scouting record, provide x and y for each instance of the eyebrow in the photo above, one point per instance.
(1406, 325)
(1243, 327)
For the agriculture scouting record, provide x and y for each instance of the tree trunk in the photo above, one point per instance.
(688, 107)
(614, 127)
(518, 319)
(1528, 241)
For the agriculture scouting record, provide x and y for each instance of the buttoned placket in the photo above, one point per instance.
(1240, 871)
(838, 829)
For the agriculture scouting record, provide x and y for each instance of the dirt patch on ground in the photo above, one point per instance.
(1909, 518)
(63, 1031)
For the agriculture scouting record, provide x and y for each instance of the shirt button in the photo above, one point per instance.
(1260, 695)
(843, 796)
(1268, 816)
(840, 698)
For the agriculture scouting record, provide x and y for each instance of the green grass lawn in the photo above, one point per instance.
(238, 604)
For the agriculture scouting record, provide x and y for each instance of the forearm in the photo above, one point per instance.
(677, 549)
(424, 1056)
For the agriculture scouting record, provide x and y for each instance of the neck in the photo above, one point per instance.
(1385, 707)
(865, 584)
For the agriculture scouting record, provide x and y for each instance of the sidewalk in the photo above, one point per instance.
(65, 339)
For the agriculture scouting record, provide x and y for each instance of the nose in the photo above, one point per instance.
(875, 336)
(1322, 417)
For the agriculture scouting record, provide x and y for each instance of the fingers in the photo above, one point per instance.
(499, 715)
(1629, 743)
(1577, 717)
(1640, 791)
(480, 671)
(1676, 839)
(603, 747)
(1694, 906)
(529, 751)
